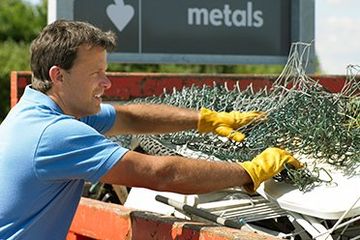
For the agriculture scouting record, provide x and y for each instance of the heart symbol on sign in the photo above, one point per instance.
(120, 14)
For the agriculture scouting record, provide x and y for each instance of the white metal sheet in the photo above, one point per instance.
(326, 201)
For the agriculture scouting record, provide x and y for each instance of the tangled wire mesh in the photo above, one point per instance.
(303, 118)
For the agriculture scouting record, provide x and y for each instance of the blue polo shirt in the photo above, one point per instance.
(45, 157)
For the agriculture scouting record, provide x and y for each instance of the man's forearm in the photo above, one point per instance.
(176, 174)
(153, 118)
(207, 176)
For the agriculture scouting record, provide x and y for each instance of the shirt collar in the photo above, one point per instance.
(38, 97)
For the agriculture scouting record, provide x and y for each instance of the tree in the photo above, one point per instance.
(20, 23)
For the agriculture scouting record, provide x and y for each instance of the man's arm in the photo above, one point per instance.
(183, 175)
(160, 118)
(176, 174)
(152, 119)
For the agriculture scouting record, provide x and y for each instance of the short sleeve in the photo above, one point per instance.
(103, 120)
(70, 149)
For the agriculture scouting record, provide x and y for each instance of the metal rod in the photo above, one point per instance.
(200, 213)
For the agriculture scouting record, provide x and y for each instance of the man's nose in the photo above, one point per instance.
(105, 82)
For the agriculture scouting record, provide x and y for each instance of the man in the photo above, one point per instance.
(52, 140)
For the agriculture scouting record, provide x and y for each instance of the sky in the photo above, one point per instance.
(337, 34)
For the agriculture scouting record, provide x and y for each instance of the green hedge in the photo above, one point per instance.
(13, 57)
(196, 68)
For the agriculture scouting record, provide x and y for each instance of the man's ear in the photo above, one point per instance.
(55, 74)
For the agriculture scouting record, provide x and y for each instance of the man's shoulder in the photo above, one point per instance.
(65, 126)
(64, 135)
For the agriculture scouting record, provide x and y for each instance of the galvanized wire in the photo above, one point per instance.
(303, 118)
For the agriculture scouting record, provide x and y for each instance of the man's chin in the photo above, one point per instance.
(91, 112)
(96, 111)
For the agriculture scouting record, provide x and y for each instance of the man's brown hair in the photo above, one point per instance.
(57, 45)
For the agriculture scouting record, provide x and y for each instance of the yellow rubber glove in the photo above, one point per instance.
(266, 165)
(225, 123)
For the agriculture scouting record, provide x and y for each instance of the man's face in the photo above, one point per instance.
(85, 83)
